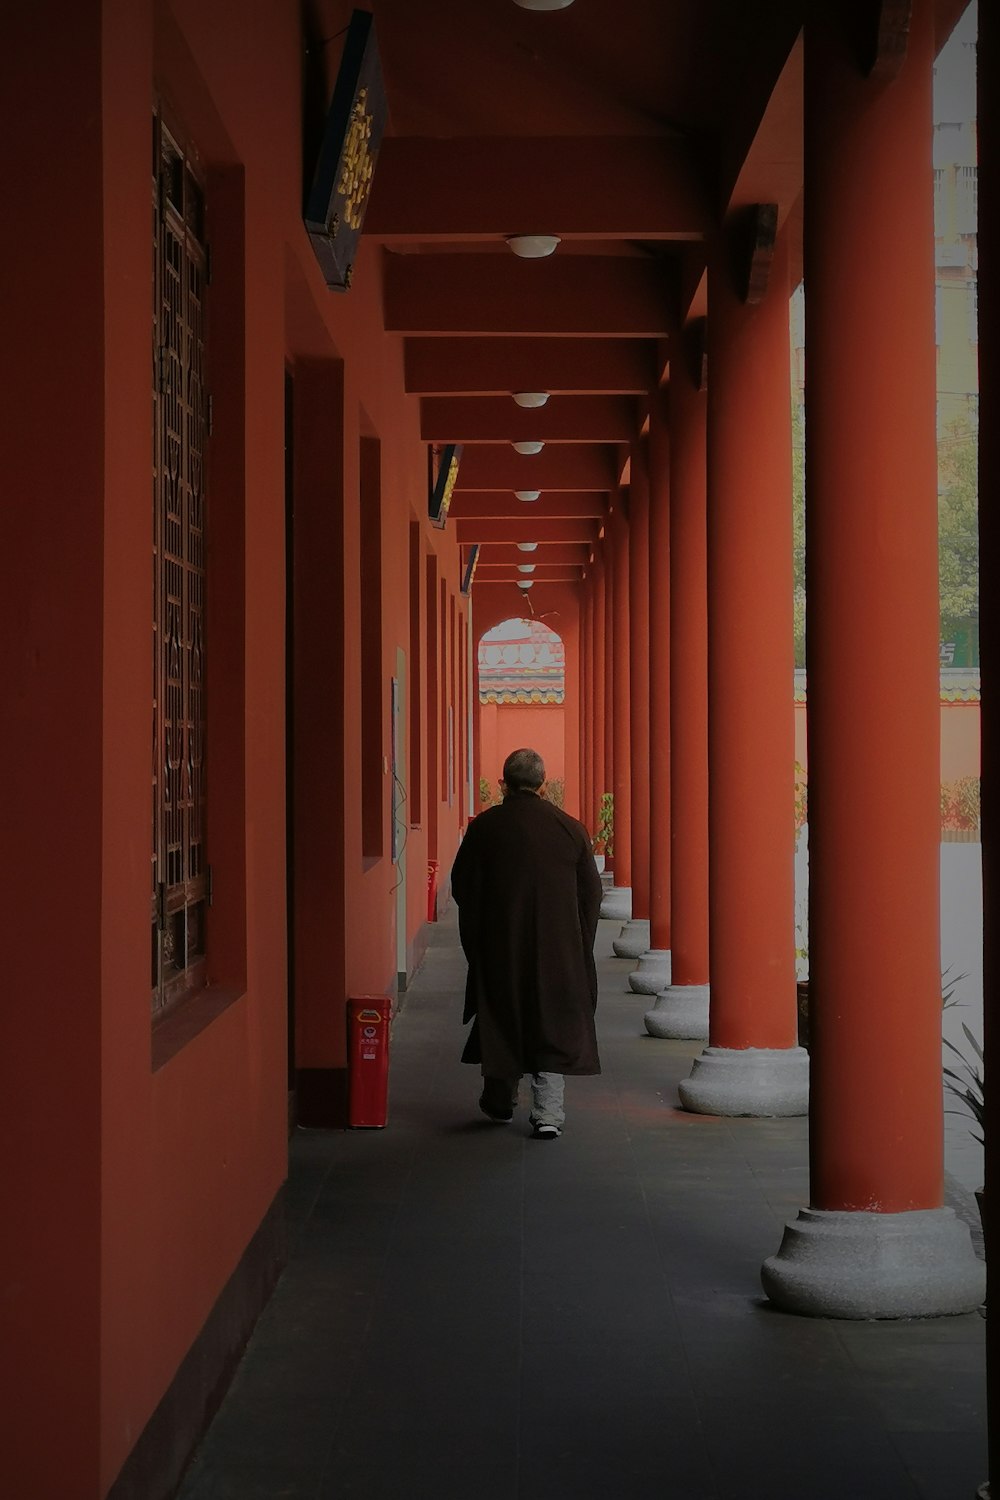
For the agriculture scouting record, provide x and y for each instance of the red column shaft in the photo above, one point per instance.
(989, 525)
(751, 733)
(586, 711)
(609, 670)
(600, 704)
(876, 1133)
(638, 553)
(688, 678)
(659, 675)
(621, 689)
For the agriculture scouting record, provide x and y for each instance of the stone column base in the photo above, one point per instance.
(680, 1012)
(758, 1081)
(617, 903)
(855, 1264)
(653, 973)
(634, 939)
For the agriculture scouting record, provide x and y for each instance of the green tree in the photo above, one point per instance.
(958, 532)
(799, 532)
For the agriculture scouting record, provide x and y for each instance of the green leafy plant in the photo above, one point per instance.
(969, 1085)
(603, 841)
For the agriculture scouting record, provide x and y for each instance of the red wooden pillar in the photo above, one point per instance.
(876, 1136)
(639, 685)
(681, 1009)
(653, 972)
(753, 1066)
(610, 649)
(621, 711)
(599, 701)
(989, 524)
(586, 709)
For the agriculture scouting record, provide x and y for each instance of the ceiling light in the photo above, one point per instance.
(531, 398)
(543, 4)
(532, 246)
(525, 583)
(526, 546)
(533, 447)
(526, 494)
(526, 567)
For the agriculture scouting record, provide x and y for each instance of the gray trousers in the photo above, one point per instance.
(547, 1091)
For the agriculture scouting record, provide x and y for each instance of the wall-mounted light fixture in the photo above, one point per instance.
(531, 398)
(533, 447)
(526, 494)
(532, 246)
(527, 546)
(543, 4)
(525, 583)
(526, 567)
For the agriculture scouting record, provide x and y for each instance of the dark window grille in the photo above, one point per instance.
(180, 877)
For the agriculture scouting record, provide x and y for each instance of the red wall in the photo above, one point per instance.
(145, 1179)
(510, 726)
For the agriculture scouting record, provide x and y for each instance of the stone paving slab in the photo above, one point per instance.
(469, 1314)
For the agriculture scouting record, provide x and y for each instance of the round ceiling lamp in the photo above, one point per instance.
(531, 398)
(532, 246)
(543, 4)
(525, 583)
(532, 447)
(526, 567)
(526, 494)
(526, 546)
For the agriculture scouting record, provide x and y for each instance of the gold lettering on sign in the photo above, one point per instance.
(358, 167)
(449, 486)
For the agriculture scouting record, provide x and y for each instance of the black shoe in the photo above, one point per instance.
(492, 1113)
(546, 1132)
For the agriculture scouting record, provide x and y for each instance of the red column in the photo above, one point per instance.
(688, 678)
(659, 678)
(872, 578)
(872, 632)
(609, 669)
(584, 700)
(989, 524)
(639, 677)
(751, 733)
(620, 701)
(599, 700)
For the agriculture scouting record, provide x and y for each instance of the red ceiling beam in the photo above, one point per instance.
(529, 530)
(544, 573)
(563, 466)
(563, 554)
(608, 295)
(495, 419)
(497, 505)
(485, 189)
(468, 366)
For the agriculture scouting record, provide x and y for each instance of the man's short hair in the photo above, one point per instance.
(524, 770)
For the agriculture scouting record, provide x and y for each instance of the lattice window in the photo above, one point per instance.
(180, 877)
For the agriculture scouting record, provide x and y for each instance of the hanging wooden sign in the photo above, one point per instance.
(335, 208)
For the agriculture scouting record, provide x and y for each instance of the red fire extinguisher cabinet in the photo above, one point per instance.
(368, 1019)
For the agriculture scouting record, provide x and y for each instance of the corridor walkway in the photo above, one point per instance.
(468, 1314)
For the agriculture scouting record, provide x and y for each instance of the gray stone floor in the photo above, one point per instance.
(472, 1315)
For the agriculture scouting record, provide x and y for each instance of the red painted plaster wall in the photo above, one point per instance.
(146, 1183)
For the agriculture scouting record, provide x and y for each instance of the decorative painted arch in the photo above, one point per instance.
(522, 661)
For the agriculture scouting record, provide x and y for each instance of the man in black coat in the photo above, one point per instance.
(529, 897)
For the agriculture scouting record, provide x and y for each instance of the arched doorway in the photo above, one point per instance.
(522, 692)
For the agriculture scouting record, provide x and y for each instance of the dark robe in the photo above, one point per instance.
(528, 896)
